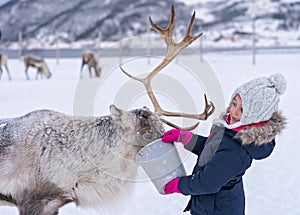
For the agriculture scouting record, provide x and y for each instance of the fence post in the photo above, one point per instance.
(253, 35)
(120, 51)
(99, 46)
(149, 51)
(99, 42)
(201, 49)
(20, 41)
(57, 54)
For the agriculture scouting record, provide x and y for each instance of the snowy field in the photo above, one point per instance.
(271, 185)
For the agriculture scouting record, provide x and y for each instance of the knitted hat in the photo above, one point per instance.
(260, 98)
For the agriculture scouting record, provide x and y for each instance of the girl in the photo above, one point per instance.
(247, 131)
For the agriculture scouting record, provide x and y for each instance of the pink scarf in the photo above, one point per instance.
(258, 124)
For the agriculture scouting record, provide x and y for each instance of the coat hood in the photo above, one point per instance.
(260, 135)
(259, 140)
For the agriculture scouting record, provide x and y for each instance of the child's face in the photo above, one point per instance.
(236, 110)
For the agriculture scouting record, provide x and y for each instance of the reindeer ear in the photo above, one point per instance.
(120, 116)
(146, 108)
(115, 112)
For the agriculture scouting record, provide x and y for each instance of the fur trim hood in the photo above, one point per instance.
(258, 140)
(260, 135)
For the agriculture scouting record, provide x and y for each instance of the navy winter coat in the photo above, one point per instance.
(216, 185)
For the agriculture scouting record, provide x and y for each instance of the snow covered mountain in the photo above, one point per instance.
(80, 19)
(277, 22)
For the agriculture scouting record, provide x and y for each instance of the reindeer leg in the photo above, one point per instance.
(26, 73)
(36, 206)
(90, 71)
(38, 73)
(97, 71)
(82, 65)
(44, 200)
(8, 73)
(0, 72)
(100, 70)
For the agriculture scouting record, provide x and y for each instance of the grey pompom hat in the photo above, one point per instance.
(260, 98)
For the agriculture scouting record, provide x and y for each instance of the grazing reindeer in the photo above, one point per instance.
(3, 62)
(38, 63)
(48, 159)
(89, 59)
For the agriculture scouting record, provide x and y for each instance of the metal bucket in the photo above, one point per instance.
(161, 162)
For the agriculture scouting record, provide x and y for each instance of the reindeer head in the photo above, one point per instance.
(138, 127)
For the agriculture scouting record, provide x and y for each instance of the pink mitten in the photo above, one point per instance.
(172, 186)
(176, 135)
(172, 135)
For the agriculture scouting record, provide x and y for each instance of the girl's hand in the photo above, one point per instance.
(176, 135)
(172, 186)
(171, 136)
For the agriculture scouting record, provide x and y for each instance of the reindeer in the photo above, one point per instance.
(48, 159)
(38, 63)
(3, 62)
(89, 59)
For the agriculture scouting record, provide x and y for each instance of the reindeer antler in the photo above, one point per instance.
(173, 49)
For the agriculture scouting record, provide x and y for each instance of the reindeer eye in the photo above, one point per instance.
(148, 136)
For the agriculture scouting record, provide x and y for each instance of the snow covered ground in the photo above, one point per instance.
(272, 185)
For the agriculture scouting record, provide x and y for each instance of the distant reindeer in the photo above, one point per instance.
(89, 59)
(3, 62)
(38, 63)
(48, 159)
